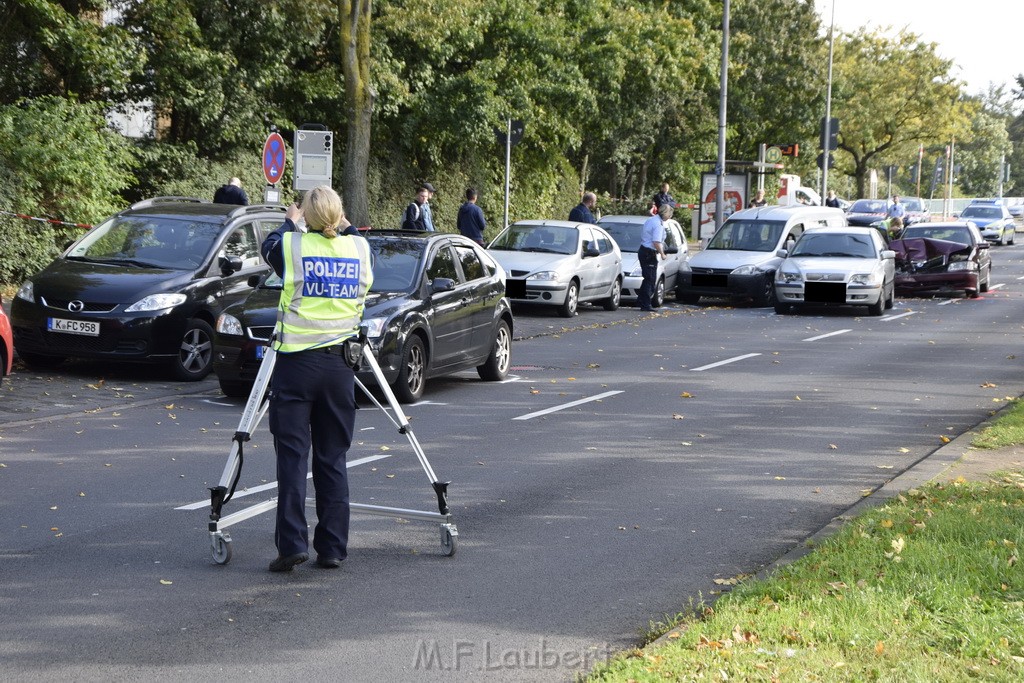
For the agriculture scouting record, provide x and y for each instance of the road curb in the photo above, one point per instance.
(926, 469)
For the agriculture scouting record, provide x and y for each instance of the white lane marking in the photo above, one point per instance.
(430, 403)
(555, 409)
(217, 403)
(897, 317)
(1021, 277)
(366, 429)
(724, 362)
(825, 336)
(273, 484)
(948, 302)
(995, 287)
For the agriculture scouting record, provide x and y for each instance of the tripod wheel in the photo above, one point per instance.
(221, 548)
(447, 542)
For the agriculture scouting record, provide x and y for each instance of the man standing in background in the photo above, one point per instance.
(581, 213)
(471, 221)
(428, 214)
(232, 193)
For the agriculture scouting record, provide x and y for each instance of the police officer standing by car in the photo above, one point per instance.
(652, 245)
(312, 401)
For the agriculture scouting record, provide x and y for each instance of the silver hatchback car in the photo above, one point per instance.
(625, 230)
(559, 263)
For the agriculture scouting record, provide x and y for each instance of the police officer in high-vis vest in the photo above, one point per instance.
(326, 274)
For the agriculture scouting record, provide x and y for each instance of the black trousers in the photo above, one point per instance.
(649, 268)
(312, 405)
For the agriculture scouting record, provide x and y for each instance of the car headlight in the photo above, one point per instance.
(637, 271)
(957, 266)
(229, 324)
(865, 279)
(787, 276)
(374, 327)
(748, 269)
(551, 275)
(26, 291)
(156, 302)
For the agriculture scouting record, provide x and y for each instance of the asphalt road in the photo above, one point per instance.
(628, 463)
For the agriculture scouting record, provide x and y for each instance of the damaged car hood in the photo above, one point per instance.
(924, 253)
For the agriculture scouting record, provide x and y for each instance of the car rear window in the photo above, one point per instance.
(626, 235)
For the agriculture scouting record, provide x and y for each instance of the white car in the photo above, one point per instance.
(559, 263)
(625, 230)
(837, 266)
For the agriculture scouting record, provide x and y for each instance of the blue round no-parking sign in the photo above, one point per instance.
(273, 158)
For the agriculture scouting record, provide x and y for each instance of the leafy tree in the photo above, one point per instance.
(981, 156)
(65, 163)
(892, 94)
(62, 48)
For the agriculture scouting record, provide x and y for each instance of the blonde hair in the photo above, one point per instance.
(323, 210)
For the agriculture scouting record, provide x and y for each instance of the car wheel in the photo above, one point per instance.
(412, 373)
(495, 368)
(983, 285)
(35, 361)
(234, 388)
(891, 299)
(767, 296)
(612, 302)
(572, 300)
(1013, 235)
(878, 307)
(195, 352)
(691, 299)
(659, 294)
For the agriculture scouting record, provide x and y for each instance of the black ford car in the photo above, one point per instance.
(437, 306)
(145, 285)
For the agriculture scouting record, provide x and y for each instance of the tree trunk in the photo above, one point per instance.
(643, 176)
(354, 19)
(583, 174)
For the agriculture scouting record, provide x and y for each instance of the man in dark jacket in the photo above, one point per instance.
(232, 193)
(471, 221)
(582, 212)
(663, 197)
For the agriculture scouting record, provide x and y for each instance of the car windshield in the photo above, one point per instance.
(148, 241)
(747, 235)
(912, 204)
(981, 212)
(626, 235)
(835, 245)
(396, 262)
(950, 233)
(868, 206)
(548, 239)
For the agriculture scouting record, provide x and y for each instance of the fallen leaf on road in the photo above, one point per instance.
(988, 385)
(798, 398)
(780, 479)
(165, 582)
(390, 476)
(944, 439)
(884, 467)
(169, 407)
(686, 394)
(904, 450)
(832, 447)
(677, 416)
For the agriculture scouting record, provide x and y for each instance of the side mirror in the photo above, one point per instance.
(441, 284)
(782, 253)
(984, 245)
(591, 251)
(888, 254)
(230, 264)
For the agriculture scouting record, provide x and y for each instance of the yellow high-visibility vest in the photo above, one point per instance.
(325, 286)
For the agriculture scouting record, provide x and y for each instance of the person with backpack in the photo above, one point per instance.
(413, 219)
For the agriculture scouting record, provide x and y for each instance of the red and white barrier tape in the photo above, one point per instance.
(52, 221)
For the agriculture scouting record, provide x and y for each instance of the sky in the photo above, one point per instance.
(982, 37)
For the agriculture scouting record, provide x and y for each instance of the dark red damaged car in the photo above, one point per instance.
(933, 258)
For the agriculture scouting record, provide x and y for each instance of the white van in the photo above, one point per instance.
(740, 260)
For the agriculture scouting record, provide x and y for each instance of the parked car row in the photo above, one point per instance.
(181, 281)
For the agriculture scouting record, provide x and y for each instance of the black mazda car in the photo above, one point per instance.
(437, 306)
(144, 285)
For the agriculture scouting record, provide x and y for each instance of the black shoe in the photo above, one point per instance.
(286, 564)
(647, 310)
(328, 562)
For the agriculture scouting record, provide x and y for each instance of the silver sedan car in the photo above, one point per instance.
(837, 266)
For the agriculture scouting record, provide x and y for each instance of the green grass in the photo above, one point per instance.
(927, 588)
(1006, 430)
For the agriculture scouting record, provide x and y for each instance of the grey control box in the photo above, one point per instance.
(314, 150)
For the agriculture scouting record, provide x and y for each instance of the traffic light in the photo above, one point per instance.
(833, 134)
(821, 161)
(914, 171)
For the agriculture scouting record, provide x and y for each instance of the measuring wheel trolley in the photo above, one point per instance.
(256, 407)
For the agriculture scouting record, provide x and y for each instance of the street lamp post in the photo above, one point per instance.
(828, 108)
(722, 100)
